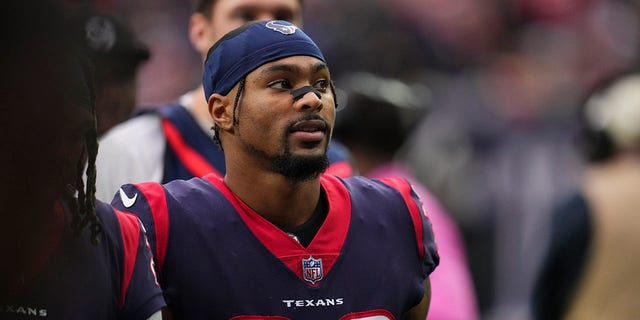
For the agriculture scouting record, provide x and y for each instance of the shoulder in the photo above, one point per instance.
(176, 207)
(390, 186)
(117, 225)
(377, 197)
(147, 195)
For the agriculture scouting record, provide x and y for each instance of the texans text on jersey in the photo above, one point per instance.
(313, 303)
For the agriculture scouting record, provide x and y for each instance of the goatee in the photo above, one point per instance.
(299, 168)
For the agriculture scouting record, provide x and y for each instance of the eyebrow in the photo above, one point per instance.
(279, 10)
(280, 68)
(320, 66)
(291, 68)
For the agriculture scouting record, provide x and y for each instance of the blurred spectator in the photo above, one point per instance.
(590, 271)
(377, 116)
(455, 34)
(174, 66)
(363, 36)
(117, 55)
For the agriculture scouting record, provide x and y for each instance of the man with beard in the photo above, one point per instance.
(173, 141)
(276, 237)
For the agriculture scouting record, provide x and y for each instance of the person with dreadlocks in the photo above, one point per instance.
(277, 237)
(65, 255)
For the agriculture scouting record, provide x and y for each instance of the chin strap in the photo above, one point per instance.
(299, 93)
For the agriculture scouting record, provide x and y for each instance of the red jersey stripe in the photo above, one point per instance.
(130, 229)
(192, 160)
(158, 205)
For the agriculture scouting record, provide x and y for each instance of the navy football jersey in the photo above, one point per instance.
(78, 280)
(219, 259)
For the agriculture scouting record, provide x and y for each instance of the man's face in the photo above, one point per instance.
(291, 135)
(227, 15)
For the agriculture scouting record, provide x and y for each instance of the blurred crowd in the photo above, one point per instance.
(503, 81)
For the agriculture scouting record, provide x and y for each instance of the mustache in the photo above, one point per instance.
(307, 118)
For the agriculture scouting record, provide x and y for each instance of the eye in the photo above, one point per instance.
(286, 15)
(321, 85)
(280, 84)
(246, 15)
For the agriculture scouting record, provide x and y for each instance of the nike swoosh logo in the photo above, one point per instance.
(126, 201)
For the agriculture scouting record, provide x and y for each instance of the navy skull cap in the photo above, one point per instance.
(246, 48)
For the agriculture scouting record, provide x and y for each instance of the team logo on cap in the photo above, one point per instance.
(312, 269)
(100, 33)
(285, 29)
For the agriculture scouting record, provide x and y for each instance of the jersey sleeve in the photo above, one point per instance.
(140, 295)
(425, 239)
(148, 202)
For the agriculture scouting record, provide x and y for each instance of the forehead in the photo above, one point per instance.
(298, 65)
(224, 7)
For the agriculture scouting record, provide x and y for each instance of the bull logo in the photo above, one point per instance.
(312, 269)
(281, 27)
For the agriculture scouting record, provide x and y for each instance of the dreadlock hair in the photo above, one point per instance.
(84, 207)
(236, 101)
(216, 128)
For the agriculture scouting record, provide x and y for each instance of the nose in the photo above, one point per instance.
(307, 98)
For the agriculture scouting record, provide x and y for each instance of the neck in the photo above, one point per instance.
(284, 203)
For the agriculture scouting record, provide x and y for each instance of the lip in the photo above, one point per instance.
(309, 130)
(309, 126)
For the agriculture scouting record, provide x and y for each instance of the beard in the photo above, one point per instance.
(299, 168)
(294, 168)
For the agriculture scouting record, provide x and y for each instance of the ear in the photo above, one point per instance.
(221, 111)
(198, 32)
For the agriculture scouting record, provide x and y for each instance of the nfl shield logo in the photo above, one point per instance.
(312, 269)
